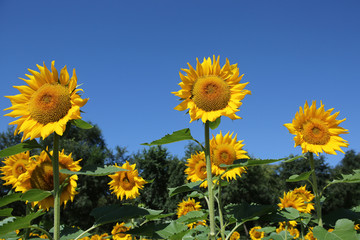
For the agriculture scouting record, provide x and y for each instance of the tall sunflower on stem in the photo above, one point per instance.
(317, 131)
(209, 92)
(44, 106)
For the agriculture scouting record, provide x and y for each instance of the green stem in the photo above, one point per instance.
(315, 189)
(55, 163)
(222, 227)
(209, 181)
(88, 230)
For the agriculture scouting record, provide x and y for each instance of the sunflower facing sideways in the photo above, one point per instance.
(188, 206)
(196, 169)
(211, 91)
(14, 166)
(46, 103)
(39, 175)
(316, 130)
(225, 150)
(126, 183)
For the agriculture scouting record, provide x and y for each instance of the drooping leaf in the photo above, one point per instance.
(213, 125)
(95, 170)
(348, 178)
(116, 213)
(302, 177)
(344, 230)
(176, 136)
(333, 216)
(257, 162)
(35, 195)
(9, 199)
(19, 148)
(81, 124)
(290, 213)
(283, 235)
(184, 188)
(18, 222)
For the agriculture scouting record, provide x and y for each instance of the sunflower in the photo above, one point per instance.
(306, 197)
(291, 199)
(188, 206)
(118, 230)
(310, 234)
(290, 227)
(46, 103)
(235, 236)
(317, 131)
(255, 234)
(126, 183)
(210, 91)
(14, 166)
(196, 168)
(225, 150)
(39, 175)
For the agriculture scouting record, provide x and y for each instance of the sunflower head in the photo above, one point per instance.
(292, 200)
(306, 197)
(211, 91)
(235, 236)
(46, 103)
(118, 232)
(316, 130)
(126, 183)
(39, 175)
(256, 234)
(225, 150)
(196, 168)
(290, 227)
(14, 166)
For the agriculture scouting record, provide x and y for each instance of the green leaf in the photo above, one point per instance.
(344, 230)
(302, 177)
(81, 124)
(246, 212)
(18, 223)
(70, 233)
(348, 178)
(35, 195)
(290, 213)
(184, 188)
(9, 199)
(6, 212)
(174, 230)
(193, 216)
(158, 216)
(95, 170)
(333, 216)
(19, 148)
(213, 125)
(180, 135)
(256, 162)
(283, 235)
(113, 213)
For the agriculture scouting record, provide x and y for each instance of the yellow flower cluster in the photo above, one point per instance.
(223, 150)
(25, 172)
(299, 199)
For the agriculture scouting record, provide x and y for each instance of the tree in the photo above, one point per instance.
(156, 164)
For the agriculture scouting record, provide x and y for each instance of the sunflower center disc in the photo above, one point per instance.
(50, 103)
(201, 170)
(316, 132)
(127, 182)
(224, 154)
(19, 168)
(211, 93)
(42, 177)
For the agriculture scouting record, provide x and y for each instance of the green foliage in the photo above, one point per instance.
(81, 124)
(344, 230)
(213, 125)
(176, 136)
(14, 223)
(302, 177)
(19, 148)
(95, 171)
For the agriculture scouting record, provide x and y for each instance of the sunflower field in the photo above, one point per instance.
(82, 190)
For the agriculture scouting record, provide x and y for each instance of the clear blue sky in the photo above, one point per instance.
(128, 55)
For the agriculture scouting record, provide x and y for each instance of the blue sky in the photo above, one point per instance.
(128, 54)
